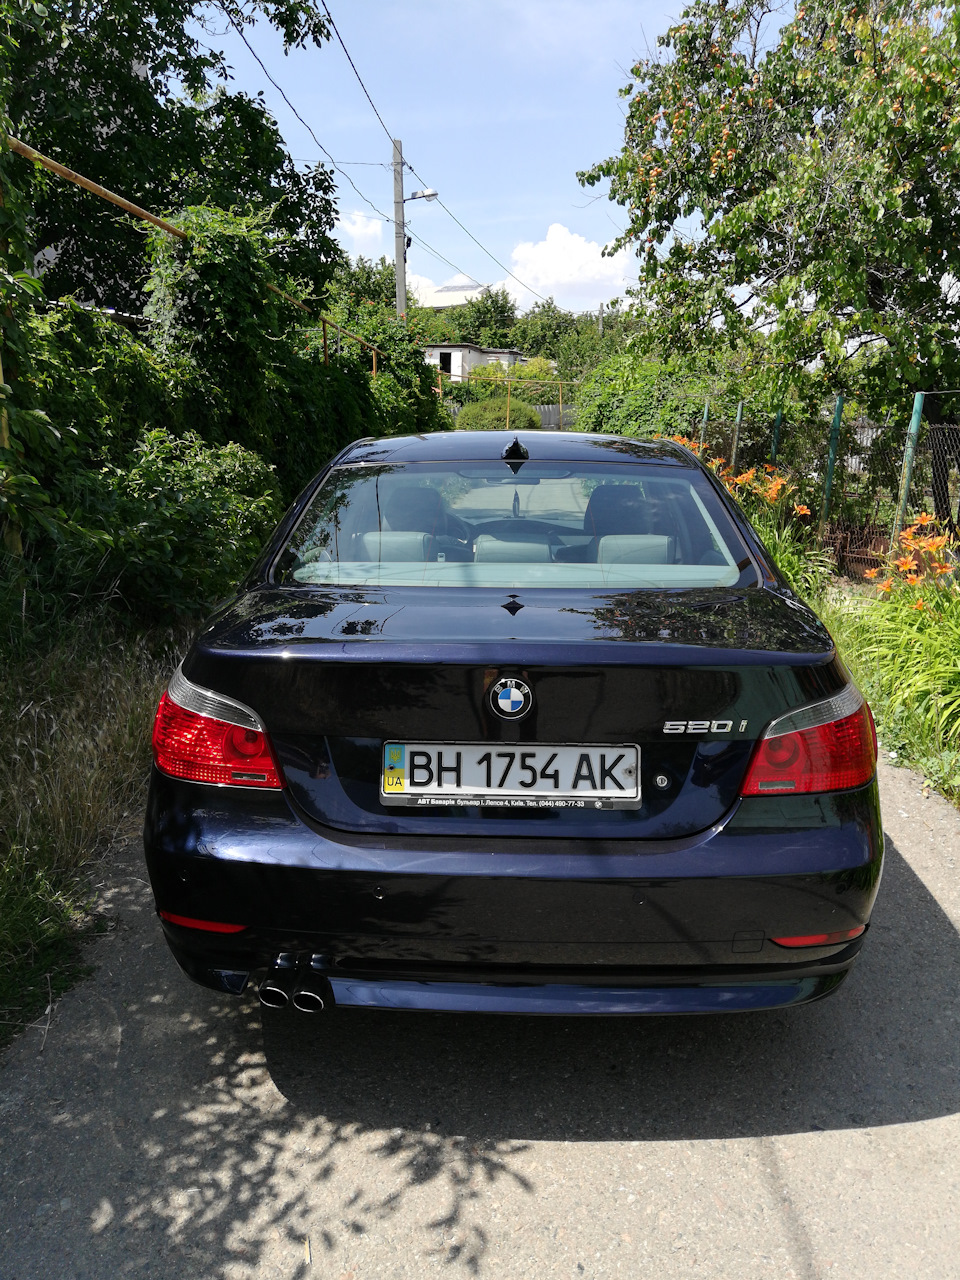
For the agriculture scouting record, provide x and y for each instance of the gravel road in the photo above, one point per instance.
(163, 1131)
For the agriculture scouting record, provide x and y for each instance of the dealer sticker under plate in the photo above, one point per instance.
(511, 776)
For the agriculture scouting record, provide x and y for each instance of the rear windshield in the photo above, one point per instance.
(533, 524)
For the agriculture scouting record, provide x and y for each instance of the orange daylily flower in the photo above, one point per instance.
(872, 573)
(918, 604)
(924, 518)
(937, 543)
(745, 477)
(905, 563)
(801, 509)
(914, 578)
(885, 586)
(940, 568)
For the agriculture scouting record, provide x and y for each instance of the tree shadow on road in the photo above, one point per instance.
(883, 1050)
(211, 1143)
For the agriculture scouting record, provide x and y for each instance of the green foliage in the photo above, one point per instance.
(905, 660)
(487, 321)
(362, 299)
(492, 415)
(541, 330)
(185, 520)
(76, 702)
(364, 282)
(793, 546)
(96, 86)
(820, 169)
(535, 382)
(631, 394)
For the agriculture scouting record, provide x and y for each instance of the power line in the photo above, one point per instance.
(420, 241)
(483, 247)
(414, 172)
(356, 72)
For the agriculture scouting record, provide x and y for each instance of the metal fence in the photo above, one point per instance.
(553, 417)
(863, 481)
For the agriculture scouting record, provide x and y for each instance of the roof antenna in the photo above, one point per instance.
(515, 455)
(515, 451)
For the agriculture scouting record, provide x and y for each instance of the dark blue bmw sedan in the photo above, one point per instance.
(515, 724)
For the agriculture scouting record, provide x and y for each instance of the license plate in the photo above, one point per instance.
(511, 775)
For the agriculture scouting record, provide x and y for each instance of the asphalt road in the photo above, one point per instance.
(161, 1131)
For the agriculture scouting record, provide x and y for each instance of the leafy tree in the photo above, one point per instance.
(127, 94)
(488, 320)
(803, 184)
(22, 431)
(364, 281)
(540, 331)
(583, 347)
(362, 298)
(629, 394)
(535, 381)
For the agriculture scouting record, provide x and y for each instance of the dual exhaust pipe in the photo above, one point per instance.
(301, 985)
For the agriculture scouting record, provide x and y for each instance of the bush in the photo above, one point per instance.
(492, 415)
(181, 524)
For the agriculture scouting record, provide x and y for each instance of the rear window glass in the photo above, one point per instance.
(532, 524)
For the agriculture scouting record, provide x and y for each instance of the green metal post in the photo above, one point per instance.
(735, 444)
(775, 442)
(831, 461)
(703, 425)
(906, 475)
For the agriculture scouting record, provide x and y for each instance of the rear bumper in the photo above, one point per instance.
(519, 925)
(570, 1001)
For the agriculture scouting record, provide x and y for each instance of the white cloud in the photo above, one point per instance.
(569, 268)
(363, 235)
(563, 265)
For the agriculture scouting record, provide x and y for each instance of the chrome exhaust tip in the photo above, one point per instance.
(308, 1000)
(274, 990)
(272, 994)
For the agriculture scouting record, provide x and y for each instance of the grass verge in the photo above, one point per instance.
(907, 662)
(76, 705)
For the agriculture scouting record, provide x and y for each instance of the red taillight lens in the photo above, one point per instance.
(208, 926)
(820, 939)
(204, 749)
(828, 757)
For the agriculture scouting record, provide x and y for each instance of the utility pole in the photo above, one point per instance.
(400, 235)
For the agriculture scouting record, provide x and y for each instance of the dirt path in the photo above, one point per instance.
(163, 1132)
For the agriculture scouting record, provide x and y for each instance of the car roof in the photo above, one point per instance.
(485, 446)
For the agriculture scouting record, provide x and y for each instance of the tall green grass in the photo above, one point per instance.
(906, 660)
(77, 695)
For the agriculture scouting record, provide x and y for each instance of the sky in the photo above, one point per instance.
(497, 106)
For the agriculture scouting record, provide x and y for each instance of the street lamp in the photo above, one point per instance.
(400, 237)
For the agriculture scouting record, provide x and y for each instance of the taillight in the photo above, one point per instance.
(827, 746)
(204, 737)
(208, 926)
(820, 939)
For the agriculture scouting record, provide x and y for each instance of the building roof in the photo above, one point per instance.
(457, 294)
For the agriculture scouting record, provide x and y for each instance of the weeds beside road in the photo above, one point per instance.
(76, 705)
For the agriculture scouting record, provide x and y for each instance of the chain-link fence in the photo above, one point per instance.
(862, 480)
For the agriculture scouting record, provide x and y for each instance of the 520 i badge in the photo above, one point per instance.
(511, 698)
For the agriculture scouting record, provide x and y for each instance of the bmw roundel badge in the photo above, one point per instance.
(511, 698)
